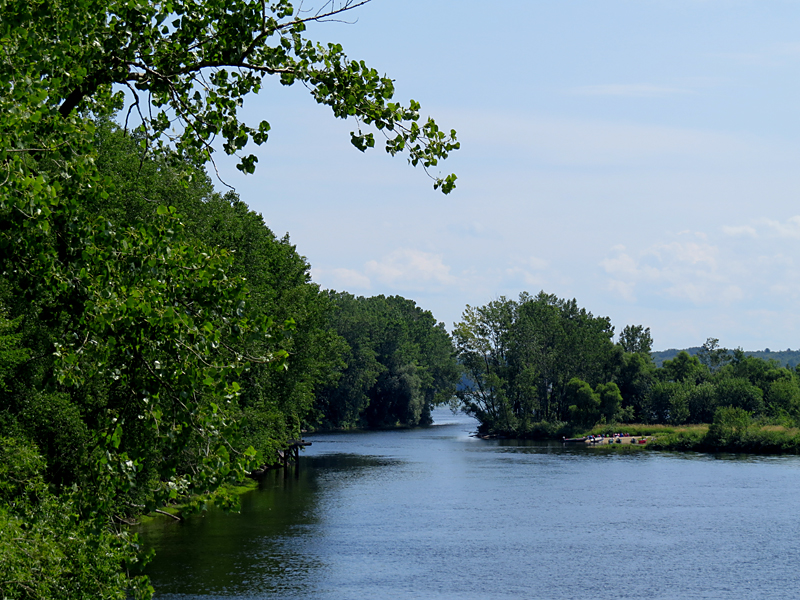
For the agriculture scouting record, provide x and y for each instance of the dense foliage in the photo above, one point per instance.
(188, 383)
(399, 364)
(138, 334)
(541, 364)
(521, 358)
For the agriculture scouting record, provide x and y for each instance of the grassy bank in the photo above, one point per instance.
(640, 429)
(753, 439)
(744, 437)
(726, 435)
(178, 509)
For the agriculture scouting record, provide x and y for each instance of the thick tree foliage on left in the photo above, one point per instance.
(126, 334)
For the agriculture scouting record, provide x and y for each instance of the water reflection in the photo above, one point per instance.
(433, 513)
(232, 555)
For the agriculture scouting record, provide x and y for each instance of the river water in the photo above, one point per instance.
(435, 514)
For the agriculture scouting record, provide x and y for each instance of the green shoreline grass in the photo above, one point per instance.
(754, 439)
(175, 510)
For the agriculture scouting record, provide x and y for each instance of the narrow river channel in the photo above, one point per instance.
(435, 514)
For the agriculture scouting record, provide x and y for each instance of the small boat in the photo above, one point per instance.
(574, 440)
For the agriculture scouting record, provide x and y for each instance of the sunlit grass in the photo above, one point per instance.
(640, 429)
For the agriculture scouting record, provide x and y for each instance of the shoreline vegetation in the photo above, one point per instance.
(541, 367)
(175, 512)
(157, 340)
(724, 436)
(744, 437)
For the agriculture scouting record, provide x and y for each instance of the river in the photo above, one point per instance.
(432, 513)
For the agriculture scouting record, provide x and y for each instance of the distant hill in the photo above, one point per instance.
(787, 358)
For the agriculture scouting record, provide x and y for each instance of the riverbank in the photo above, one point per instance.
(175, 511)
(753, 438)
(520, 514)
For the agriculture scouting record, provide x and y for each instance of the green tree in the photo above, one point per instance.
(610, 401)
(584, 404)
(730, 425)
(667, 402)
(783, 397)
(275, 403)
(46, 550)
(481, 340)
(738, 392)
(684, 368)
(636, 339)
(520, 357)
(341, 403)
(702, 402)
(193, 63)
(712, 355)
(399, 365)
(635, 378)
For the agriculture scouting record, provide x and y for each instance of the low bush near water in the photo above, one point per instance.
(733, 430)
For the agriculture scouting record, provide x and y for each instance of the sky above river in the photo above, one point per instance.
(641, 156)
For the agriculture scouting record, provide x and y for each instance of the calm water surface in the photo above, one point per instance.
(435, 514)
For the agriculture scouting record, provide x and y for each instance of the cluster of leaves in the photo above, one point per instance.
(273, 403)
(186, 67)
(123, 368)
(398, 365)
(48, 549)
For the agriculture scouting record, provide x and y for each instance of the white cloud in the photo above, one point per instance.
(693, 253)
(623, 289)
(788, 229)
(739, 231)
(621, 264)
(537, 263)
(407, 268)
(684, 269)
(528, 278)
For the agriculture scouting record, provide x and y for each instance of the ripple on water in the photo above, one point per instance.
(435, 514)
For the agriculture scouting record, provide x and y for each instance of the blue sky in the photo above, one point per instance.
(641, 156)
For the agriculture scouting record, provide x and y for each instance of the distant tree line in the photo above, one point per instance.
(785, 358)
(541, 364)
(398, 365)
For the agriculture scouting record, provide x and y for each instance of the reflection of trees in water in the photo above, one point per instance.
(233, 553)
(256, 549)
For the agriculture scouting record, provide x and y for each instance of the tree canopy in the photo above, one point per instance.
(147, 322)
(542, 365)
(399, 365)
(520, 357)
(181, 71)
